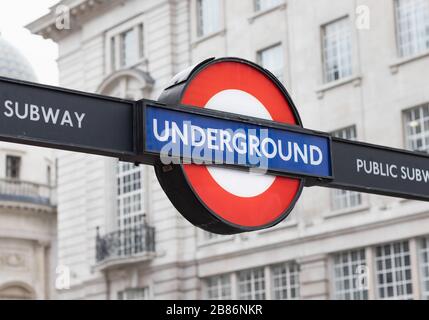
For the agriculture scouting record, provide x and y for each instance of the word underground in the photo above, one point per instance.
(248, 143)
(41, 113)
(392, 171)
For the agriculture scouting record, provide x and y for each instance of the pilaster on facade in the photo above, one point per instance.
(314, 277)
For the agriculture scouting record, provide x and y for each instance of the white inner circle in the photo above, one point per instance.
(239, 183)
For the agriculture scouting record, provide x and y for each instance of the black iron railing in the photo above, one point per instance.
(24, 191)
(125, 243)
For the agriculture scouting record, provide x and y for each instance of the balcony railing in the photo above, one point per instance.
(127, 243)
(24, 191)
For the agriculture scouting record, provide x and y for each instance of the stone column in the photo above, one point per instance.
(314, 280)
(43, 272)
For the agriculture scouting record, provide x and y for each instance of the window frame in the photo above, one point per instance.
(220, 288)
(424, 133)
(335, 193)
(126, 291)
(258, 8)
(268, 283)
(113, 45)
(199, 16)
(293, 271)
(353, 67)
(122, 214)
(399, 52)
(350, 262)
(423, 266)
(279, 45)
(7, 169)
(404, 296)
(254, 292)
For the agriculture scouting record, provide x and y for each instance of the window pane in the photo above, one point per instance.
(424, 266)
(337, 53)
(285, 281)
(348, 268)
(417, 128)
(113, 53)
(208, 16)
(343, 199)
(261, 5)
(218, 288)
(13, 167)
(130, 205)
(251, 284)
(412, 24)
(141, 40)
(129, 48)
(393, 271)
(272, 60)
(134, 294)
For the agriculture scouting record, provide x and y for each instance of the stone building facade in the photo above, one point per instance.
(27, 206)
(355, 68)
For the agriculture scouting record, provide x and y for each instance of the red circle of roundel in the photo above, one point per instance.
(269, 206)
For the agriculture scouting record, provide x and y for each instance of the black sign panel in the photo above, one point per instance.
(58, 118)
(375, 169)
(64, 119)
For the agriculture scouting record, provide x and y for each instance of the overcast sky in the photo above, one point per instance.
(42, 54)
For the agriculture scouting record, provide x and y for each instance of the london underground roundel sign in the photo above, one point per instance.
(220, 199)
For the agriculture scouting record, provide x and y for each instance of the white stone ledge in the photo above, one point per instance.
(199, 40)
(253, 17)
(346, 211)
(394, 67)
(222, 239)
(118, 262)
(356, 80)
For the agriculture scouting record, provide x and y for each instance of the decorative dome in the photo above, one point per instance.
(13, 64)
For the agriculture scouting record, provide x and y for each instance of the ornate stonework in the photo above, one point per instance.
(13, 260)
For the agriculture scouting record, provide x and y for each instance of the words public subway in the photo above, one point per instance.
(389, 170)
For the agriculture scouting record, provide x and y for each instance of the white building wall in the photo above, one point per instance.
(88, 185)
(373, 98)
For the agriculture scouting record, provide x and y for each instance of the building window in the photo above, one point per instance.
(126, 47)
(337, 50)
(412, 26)
(262, 5)
(218, 288)
(272, 59)
(13, 167)
(347, 268)
(343, 199)
(393, 271)
(424, 264)
(208, 17)
(251, 284)
(417, 128)
(285, 281)
(113, 53)
(130, 196)
(134, 294)
(130, 47)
